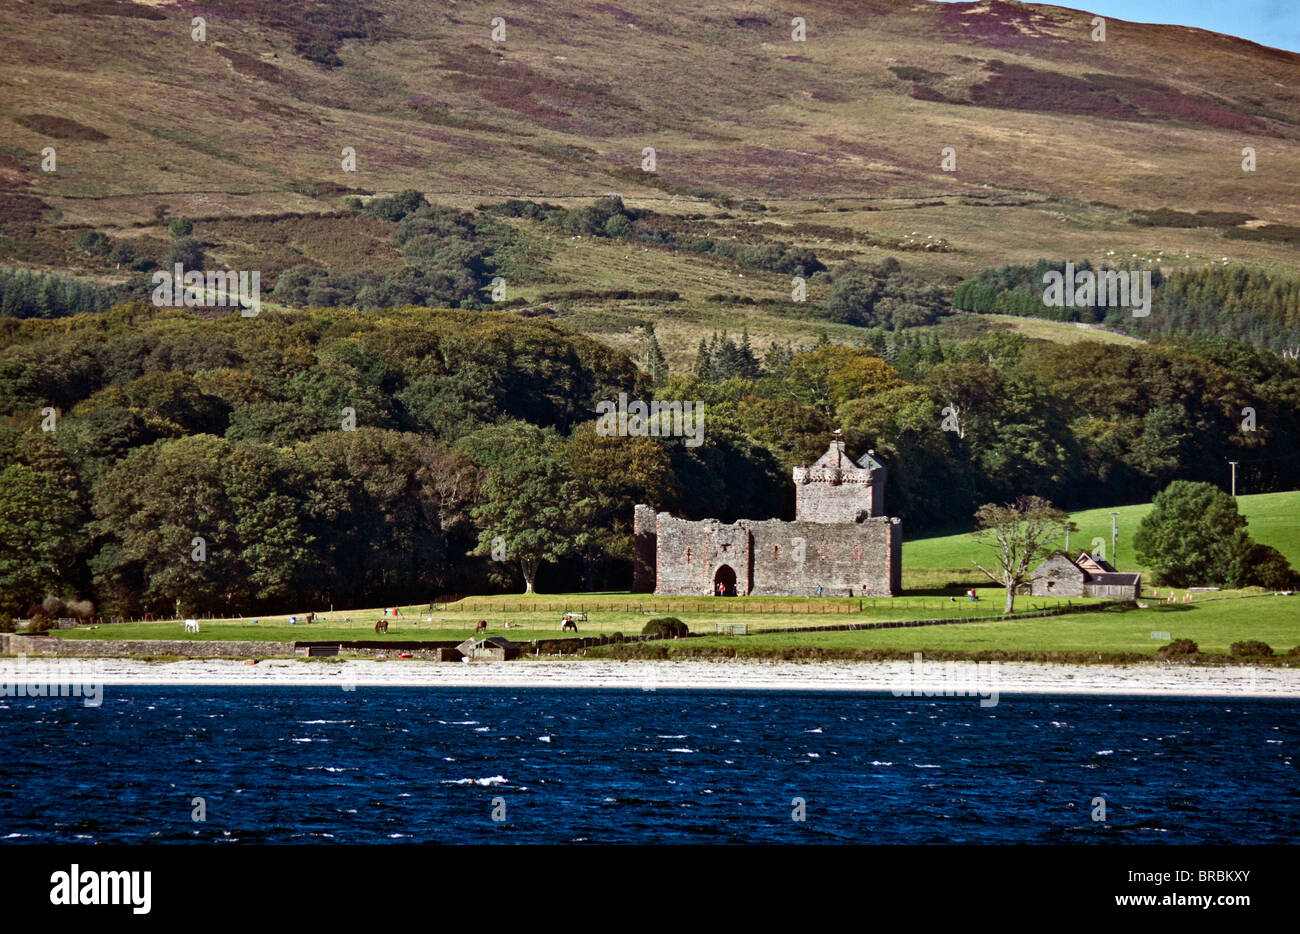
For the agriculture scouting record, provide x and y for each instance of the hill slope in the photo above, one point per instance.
(566, 104)
(1059, 140)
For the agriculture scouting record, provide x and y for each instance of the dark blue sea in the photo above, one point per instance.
(308, 765)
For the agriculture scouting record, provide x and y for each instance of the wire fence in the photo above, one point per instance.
(522, 614)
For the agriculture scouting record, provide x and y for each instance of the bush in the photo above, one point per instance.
(1251, 648)
(320, 53)
(93, 242)
(1179, 648)
(882, 296)
(188, 252)
(666, 627)
(616, 637)
(1268, 568)
(618, 226)
(124, 254)
(396, 207)
(180, 227)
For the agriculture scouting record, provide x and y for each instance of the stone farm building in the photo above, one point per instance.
(1086, 576)
(839, 541)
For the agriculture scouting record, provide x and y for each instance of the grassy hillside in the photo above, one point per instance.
(1273, 519)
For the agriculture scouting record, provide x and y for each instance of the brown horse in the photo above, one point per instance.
(381, 626)
(481, 627)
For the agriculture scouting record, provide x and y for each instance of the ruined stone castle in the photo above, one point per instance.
(839, 541)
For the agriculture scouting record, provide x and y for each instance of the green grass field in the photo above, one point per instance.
(1273, 519)
(1213, 624)
(538, 617)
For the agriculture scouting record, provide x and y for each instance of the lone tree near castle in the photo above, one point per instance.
(1020, 535)
(525, 510)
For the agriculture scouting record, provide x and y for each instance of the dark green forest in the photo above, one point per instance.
(1244, 304)
(341, 457)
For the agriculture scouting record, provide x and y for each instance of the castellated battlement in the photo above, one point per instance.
(837, 489)
(840, 544)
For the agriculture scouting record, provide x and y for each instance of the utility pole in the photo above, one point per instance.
(1114, 539)
(1234, 478)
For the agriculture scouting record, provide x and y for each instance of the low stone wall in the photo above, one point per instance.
(17, 644)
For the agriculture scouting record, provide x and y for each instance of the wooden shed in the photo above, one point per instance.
(1114, 585)
(491, 649)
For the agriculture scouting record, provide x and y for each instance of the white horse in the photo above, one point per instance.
(191, 625)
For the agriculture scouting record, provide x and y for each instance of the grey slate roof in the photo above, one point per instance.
(1114, 578)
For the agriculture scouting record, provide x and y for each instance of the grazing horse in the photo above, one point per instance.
(568, 625)
(381, 626)
(481, 627)
(191, 625)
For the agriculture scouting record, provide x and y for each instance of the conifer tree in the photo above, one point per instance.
(656, 364)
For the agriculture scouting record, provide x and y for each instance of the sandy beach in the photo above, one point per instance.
(984, 680)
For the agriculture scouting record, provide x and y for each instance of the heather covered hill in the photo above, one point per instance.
(767, 152)
(255, 115)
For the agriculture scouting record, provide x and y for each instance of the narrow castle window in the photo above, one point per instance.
(688, 556)
(776, 552)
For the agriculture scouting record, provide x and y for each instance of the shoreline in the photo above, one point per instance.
(928, 679)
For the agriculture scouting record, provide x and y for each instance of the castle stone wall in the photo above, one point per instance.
(775, 558)
(820, 499)
(644, 544)
(845, 559)
(689, 555)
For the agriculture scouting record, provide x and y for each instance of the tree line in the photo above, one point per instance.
(339, 457)
(1245, 304)
(343, 458)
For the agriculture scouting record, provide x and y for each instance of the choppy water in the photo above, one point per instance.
(289, 765)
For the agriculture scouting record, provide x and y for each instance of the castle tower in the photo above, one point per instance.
(835, 489)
